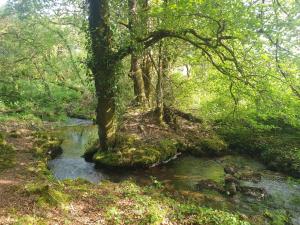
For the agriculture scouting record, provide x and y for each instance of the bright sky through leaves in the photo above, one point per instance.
(2, 2)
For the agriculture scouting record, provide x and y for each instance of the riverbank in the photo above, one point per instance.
(27, 180)
(142, 143)
(30, 195)
(278, 149)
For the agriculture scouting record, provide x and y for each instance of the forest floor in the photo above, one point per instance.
(30, 195)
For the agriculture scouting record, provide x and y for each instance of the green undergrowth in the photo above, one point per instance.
(277, 217)
(7, 154)
(128, 203)
(32, 102)
(278, 149)
(209, 146)
(148, 205)
(130, 151)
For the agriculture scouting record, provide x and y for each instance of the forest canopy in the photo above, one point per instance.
(227, 61)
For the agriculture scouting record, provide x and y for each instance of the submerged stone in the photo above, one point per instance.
(250, 176)
(209, 185)
(255, 192)
(231, 185)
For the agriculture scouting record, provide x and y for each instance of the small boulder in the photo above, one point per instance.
(229, 169)
(251, 176)
(209, 185)
(231, 185)
(258, 193)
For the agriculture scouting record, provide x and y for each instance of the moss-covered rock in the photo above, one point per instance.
(212, 146)
(46, 144)
(47, 194)
(130, 151)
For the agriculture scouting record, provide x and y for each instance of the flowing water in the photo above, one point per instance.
(179, 175)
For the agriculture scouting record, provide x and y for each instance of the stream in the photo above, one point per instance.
(181, 174)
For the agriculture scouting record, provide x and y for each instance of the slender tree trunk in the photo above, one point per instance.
(136, 72)
(104, 71)
(146, 64)
(159, 88)
(162, 74)
(138, 81)
(147, 76)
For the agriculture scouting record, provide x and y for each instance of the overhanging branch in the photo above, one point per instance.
(188, 35)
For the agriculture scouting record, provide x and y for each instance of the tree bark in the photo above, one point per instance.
(159, 88)
(146, 62)
(162, 73)
(147, 76)
(104, 71)
(138, 81)
(135, 71)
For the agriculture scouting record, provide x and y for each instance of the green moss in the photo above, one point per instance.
(7, 154)
(132, 152)
(280, 151)
(47, 194)
(212, 146)
(207, 215)
(283, 159)
(277, 217)
(133, 204)
(91, 150)
(30, 219)
(47, 145)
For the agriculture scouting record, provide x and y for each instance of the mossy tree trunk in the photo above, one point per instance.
(138, 81)
(147, 76)
(162, 74)
(159, 88)
(136, 70)
(146, 62)
(104, 70)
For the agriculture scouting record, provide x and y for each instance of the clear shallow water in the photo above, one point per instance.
(181, 175)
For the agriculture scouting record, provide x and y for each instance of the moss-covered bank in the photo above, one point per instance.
(142, 142)
(133, 152)
(279, 150)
